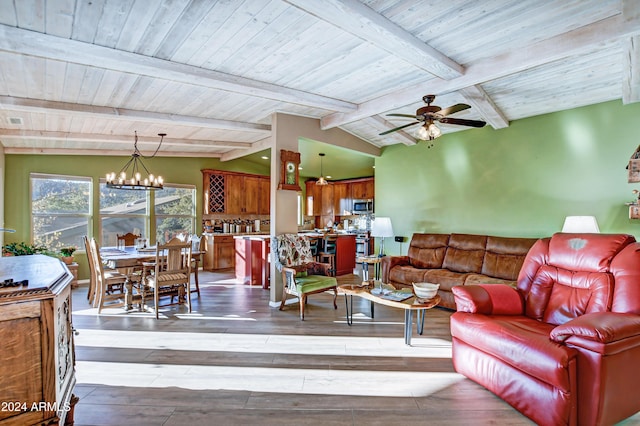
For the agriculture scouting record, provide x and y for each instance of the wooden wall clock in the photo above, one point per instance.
(289, 173)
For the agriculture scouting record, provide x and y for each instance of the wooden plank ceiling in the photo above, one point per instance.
(80, 77)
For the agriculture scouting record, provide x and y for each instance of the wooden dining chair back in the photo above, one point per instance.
(127, 240)
(171, 275)
(109, 286)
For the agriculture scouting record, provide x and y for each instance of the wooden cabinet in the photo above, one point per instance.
(219, 252)
(362, 189)
(252, 260)
(264, 205)
(37, 372)
(235, 193)
(342, 201)
(336, 199)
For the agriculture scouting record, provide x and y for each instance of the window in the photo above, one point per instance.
(61, 210)
(174, 211)
(122, 211)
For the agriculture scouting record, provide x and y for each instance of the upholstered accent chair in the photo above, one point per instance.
(301, 275)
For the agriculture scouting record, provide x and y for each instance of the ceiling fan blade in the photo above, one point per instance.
(398, 128)
(402, 115)
(453, 109)
(462, 122)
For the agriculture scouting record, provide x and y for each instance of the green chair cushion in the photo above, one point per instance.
(312, 283)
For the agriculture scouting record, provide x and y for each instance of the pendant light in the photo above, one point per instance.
(321, 180)
(135, 165)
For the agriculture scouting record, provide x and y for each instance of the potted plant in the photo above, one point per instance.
(21, 249)
(67, 254)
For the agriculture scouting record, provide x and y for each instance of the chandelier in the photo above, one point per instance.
(321, 180)
(130, 176)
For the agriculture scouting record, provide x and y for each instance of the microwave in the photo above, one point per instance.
(362, 206)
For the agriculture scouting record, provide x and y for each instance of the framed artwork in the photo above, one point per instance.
(289, 173)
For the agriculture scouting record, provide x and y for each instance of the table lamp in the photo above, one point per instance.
(381, 227)
(581, 224)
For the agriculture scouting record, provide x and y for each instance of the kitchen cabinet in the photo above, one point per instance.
(252, 260)
(336, 199)
(342, 201)
(345, 254)
(235, 193)
(219, 252)
(362, 189)
(37, 372)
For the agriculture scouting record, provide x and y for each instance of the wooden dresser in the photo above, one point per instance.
(37, 361)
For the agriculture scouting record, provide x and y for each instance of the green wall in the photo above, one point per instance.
(518, 181)
(173, 170)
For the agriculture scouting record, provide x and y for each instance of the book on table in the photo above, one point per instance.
(397, 295)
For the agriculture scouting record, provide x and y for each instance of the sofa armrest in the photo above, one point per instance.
(489, 299)
(599, 327)
(389, 262)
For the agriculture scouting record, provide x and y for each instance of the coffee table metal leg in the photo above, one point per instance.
(420, 321)
(348, 299)
(372, 304)
(408, 320)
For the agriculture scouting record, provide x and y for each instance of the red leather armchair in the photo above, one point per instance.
(564, 347)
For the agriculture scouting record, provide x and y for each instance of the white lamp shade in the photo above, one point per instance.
(381, 227)
(581, 224)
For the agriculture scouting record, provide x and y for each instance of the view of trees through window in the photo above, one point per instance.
(123, 211)
(61, 210)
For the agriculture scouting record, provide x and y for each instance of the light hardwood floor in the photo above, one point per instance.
(236, 361)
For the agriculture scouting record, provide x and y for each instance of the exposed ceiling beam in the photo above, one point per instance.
(360, 20)
(380, 123)
(119, 139)
(601, 33)
(631, 71)
(482, 103)
(24, 42)
(41, 106)
(258, 146)
(119, 153)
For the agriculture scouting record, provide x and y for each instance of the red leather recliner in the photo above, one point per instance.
(564, 347)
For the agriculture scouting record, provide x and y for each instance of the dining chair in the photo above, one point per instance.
(196, 256)
(171, 275)
(301, 275)
(127, 240)
(109, 286)
(109, 274)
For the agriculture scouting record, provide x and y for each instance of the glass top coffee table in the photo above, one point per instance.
(402, 299)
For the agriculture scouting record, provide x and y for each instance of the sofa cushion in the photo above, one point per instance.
(504, 256)
(473, 279)
(427, 250)
(465, 253)
(445, 278)
(519, 341)
(406, 274)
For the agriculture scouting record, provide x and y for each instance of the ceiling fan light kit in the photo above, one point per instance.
(427, 115)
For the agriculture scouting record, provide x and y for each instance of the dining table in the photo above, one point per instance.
(138, 259)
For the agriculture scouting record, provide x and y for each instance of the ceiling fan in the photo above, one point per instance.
(426, 116)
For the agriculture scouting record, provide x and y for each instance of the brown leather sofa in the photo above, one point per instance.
(457, 259)
(562, 348)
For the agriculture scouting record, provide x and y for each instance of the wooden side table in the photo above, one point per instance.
(366, 261)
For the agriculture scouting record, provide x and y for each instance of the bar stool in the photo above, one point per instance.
(328, 252)
(314, 244)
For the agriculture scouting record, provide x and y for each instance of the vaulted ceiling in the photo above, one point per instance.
(80, 76)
